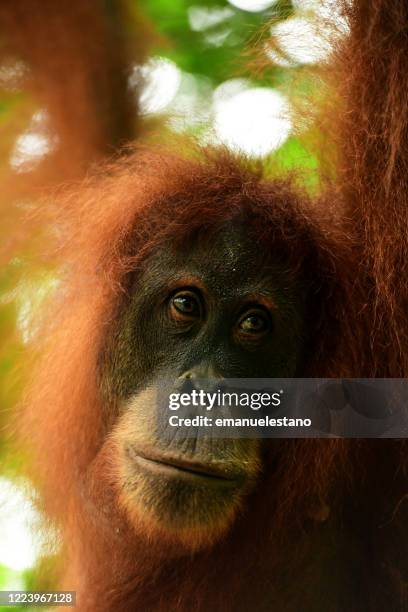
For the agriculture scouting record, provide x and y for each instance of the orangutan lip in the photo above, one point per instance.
(187, 468)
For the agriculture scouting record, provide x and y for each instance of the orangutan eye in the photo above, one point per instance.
(255, 322)
(185, 305)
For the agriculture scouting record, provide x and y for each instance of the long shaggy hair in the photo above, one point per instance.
(105, 230)
(357, 317)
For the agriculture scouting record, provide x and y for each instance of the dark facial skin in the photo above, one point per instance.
(215, 309)
(244, 321)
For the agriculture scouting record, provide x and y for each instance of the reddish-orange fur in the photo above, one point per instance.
(78, 56)
(278, 556)
(147, 200)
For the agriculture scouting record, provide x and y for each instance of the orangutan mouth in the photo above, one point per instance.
(212, 474)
